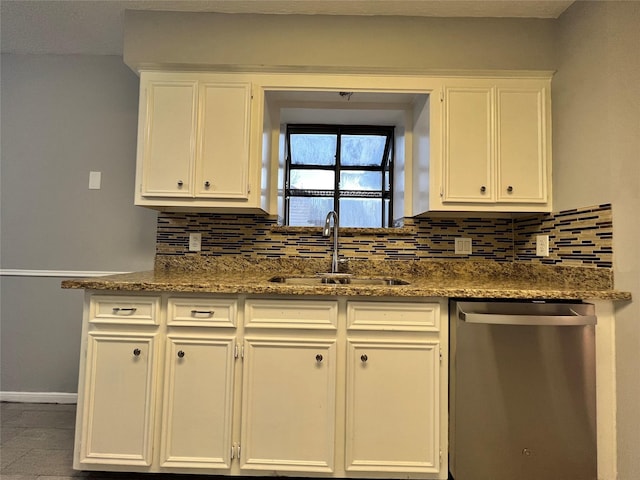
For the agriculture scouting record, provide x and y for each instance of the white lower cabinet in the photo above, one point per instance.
(118, 382)
(197, 402)
(263, 386)
(117, 419)
(392, 405)
(396, 375)
(288, 405)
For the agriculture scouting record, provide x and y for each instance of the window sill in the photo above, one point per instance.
(349, 231)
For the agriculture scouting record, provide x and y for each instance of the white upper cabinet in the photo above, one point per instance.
(214, 141)
(223, 143)
(195, 149)
(521, 145)
(168, 140)
(468, 147)
(496, 145)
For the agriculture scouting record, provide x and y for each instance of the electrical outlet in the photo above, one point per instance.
(542, 245)
(463, 246)
(195, 242)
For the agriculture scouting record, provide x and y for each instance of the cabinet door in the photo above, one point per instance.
(223, 156)
(197, 413)
(393, 408)
(288, 405)
(168, 138)
(468, 144)
(521, 154)
(118, 405)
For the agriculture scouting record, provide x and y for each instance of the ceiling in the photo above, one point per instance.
(96, 26)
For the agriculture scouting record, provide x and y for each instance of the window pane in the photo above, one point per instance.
(360, 180)
(362, 150)
(312, 179)
(313, 149)
(309, 211)
(360, 212)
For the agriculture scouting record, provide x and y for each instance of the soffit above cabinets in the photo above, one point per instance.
(96, 27)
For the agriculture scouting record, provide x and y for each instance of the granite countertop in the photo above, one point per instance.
(459, 279)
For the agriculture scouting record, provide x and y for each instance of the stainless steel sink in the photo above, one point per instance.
(338, 280)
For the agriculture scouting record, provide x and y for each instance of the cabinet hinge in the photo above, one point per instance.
(441, 95)
(248, 189)
(440, 457)
(441, 191)
(440, 352)
(238, 451)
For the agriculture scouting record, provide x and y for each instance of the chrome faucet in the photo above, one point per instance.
(326, 232)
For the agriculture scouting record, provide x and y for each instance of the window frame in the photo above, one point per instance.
(386, 168)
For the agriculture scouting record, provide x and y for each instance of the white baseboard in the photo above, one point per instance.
(38, 397)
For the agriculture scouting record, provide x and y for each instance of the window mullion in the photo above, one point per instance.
(336, 187)
(287, 179)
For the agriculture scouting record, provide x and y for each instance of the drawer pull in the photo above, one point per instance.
(124, 311)
(510, 189)
(319, 358)
(136, 352)
(181, 354)
(364, 358)
(483, 189)
(209, 313)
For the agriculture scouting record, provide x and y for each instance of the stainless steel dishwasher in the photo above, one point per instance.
(522, 401)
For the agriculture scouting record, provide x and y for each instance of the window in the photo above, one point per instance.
(346, 168)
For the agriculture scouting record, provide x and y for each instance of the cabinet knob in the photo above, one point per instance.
(509, 189)
(136, 352)
(364, 358)
(483, 189)
(180, 183)
(180, 354)
(319, 358)
(207, 184)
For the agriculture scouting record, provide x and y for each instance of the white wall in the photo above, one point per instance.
(62, 117)
(596, 126)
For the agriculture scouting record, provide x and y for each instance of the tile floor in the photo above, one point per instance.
(37, 444)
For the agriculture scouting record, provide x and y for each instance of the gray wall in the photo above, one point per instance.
(65, 116)
(62, 117)
(596, 115)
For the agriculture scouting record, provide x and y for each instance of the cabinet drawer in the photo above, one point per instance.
(409, 317)
(202, 312)
(291, 314)
(130, 310)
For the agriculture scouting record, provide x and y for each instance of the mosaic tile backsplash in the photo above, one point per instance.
(579, 237)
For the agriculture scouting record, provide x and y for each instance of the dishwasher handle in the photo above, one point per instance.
(527, 313)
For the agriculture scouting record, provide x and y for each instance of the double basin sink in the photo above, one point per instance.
(337, 279)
